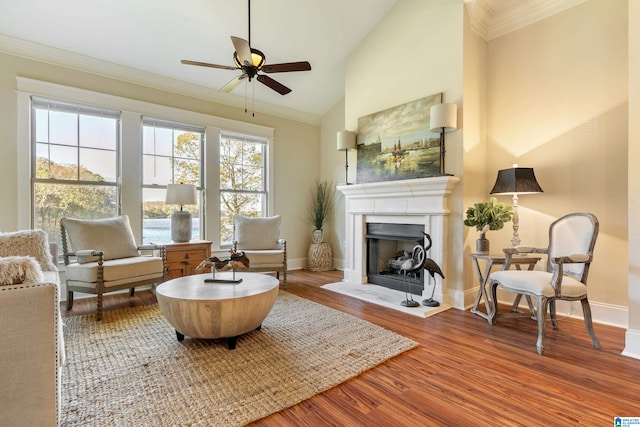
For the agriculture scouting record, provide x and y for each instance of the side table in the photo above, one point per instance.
(320, 257)
(483, 277)
(183, 258)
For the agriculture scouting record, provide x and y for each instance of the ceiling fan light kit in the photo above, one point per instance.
(252, 61)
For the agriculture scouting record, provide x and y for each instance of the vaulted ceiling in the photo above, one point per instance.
(144, 40)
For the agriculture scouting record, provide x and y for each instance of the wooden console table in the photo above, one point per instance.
(483, 277)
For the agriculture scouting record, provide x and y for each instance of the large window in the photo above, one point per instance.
(89, 155)
(75, 163)
(243, 180)
(171, 154)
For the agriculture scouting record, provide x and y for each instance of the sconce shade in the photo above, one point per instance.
(181, 194)
(346, 140)
(443, 118)
(516, 181)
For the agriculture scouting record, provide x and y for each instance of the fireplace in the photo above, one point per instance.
(387, 246)
(421, 203)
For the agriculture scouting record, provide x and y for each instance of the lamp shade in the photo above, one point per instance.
(181, 194)
(346, 140)
(443, 118)
(516, 181)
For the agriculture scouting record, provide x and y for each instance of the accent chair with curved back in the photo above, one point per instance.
(569, 256)
(103, 257)
(259, 238)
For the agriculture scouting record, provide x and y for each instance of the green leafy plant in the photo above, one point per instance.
(489, 215)
(323, 198)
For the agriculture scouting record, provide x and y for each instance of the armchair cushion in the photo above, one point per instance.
(32, 243)
(257, 233)
(538, 283)
(112, 236)
(19, 269)
(264, 258)
(117, 271)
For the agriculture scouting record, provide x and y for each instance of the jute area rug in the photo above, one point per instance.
(130, 370)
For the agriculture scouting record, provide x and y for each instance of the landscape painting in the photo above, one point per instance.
(397, 144)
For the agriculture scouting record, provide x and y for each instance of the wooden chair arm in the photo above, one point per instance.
(572, 259)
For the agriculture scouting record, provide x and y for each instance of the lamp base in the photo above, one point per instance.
(181, 226)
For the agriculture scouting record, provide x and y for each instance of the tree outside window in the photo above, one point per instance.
(243, 184)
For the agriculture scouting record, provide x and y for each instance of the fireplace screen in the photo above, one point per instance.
(387, 246)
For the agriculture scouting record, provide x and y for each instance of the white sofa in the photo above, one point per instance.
(32, 350)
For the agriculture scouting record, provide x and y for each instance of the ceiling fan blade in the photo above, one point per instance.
(243, 50)
(278, 87)
(286, 67)
(233, 83)
(206, 64)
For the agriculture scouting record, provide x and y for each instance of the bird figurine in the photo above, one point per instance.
(409, 266)
(433, 268)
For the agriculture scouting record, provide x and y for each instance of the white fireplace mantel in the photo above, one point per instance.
(413, 201)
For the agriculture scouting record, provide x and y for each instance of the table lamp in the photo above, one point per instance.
(516, 181)
(181, 194)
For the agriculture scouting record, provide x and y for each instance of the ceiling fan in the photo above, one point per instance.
(251, 62)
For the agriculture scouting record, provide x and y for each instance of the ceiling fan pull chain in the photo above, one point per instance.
(253, 107)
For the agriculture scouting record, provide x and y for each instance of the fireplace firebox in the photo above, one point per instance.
(387, 246)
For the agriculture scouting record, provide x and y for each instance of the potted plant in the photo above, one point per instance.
(323, 197)
(485, 216)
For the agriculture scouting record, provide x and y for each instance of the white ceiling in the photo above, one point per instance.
(144, 40)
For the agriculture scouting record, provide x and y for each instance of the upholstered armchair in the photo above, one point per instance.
(569, 255)
(259, 238)
(101, 256)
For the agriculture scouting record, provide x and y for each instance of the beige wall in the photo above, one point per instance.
(557, 102)
(296, 144)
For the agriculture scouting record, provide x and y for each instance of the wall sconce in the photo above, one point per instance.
(443, 118)
(346, 142)
(181, 194)
(516, 181)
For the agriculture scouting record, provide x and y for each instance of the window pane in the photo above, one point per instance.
(63, 128)
(55, 201)
(97, 165)
(157, 141)
(42, 125)
(156, 170)
(187, 172)
(63, 163)
(98, 132)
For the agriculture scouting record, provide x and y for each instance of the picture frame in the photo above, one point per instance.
(396, 143)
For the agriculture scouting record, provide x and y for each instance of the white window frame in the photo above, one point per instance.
(131, 148)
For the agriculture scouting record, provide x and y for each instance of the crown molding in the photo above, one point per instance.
(491, 22)
(39, 52)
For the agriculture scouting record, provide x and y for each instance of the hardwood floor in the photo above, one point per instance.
(465, 372)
